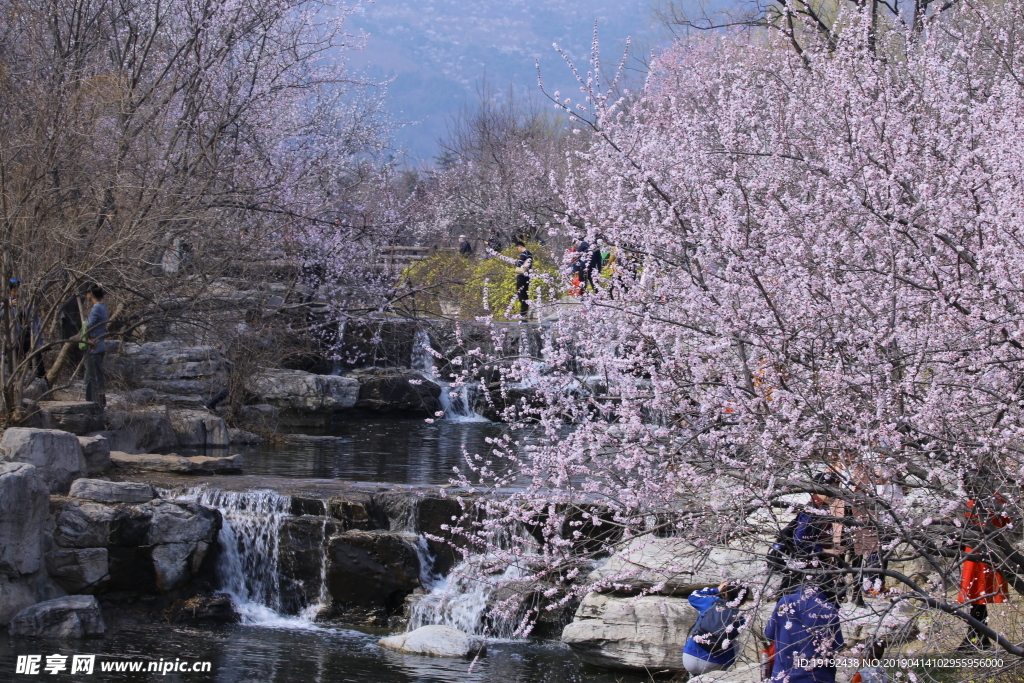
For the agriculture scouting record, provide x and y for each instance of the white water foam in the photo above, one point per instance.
(457, 402)
(248, 564)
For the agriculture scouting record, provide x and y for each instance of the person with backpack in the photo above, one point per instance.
(711, 645)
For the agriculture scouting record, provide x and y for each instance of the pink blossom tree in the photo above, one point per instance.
(818, 271)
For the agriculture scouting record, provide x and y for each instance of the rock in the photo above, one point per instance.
(96, 451)
(217, 609)
(197, 464)
(15, 595)
(181, 523)
(371, 569)
(644, 633)
(739, 673)
(240, 437)
(171, 368)
(55, 454)
(92, 525)
(680, 564)
(74, 616)
(172, 564)
(262, 416)
(101, 491)
(298, 391)
(77, 417)
(436, 641)
(199, 428)
(498, 398)
(141, 431)
(78, 569)
(24, 506)
(300, 552)
(405, 392)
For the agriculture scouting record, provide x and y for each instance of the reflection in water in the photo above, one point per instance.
(242, 654)
(400, 451)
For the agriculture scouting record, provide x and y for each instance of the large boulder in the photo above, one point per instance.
(679, 564)
(96, 451)
(301, 558)
(171, 368)
(16, 593)
(140, 431)
(199, 428)
(55, 454)
(77, 417)
(407, 392)
(298, 391)
(371, 569)
(436, 641)
(74, 616)
(101, 491)
(641, 633)
(78, 570)
(24, 504)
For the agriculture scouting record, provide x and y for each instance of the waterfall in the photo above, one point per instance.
(463, 600)
(248, 566)
(457, 402)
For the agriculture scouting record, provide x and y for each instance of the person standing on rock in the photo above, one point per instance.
(711, 645)
(804, 630)
(523, 265)
(93, 334)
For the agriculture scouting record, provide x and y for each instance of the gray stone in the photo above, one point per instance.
(176, 464)
(101, 491)
(78, 569)
(371, 569)
(199, 428)
(408, 392)
(96, 451)
(75, 616)
(85, 525)
(171, 368)
(679, 563)
(181, 523)
(640, 633)
(241, 437)
(77, 417)
(24, 505)
(260, 416)
(295, 390)
(172, 566)
(436, 641)
(15, 595)
(56, 454)
(142, 431)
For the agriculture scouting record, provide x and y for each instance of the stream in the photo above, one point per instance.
(277, 644)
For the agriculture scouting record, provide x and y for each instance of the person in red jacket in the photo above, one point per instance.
(980, 583)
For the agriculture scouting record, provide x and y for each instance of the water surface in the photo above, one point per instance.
(248, 654)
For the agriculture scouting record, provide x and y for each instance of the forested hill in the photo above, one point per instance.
(438, 50)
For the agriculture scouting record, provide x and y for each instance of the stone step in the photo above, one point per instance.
(177, 464)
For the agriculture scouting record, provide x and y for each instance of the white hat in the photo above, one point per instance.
(462, 237)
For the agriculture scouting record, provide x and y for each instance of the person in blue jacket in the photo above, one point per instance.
(696, 658)
(805, 631)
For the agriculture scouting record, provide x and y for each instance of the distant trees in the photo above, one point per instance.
(155, 146)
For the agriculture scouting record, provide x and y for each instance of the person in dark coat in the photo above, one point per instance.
(697, 657)
(95, 331)
(523, 266)
(804, 627)
(465, 247)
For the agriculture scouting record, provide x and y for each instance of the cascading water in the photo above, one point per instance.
(248, 566)
(457, 402)
(462, 599)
